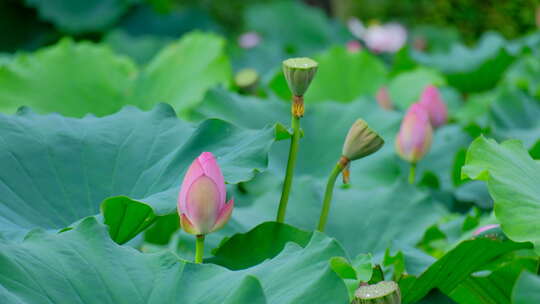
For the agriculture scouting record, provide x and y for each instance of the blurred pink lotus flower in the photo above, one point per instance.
(431, 100)
(383, 98)
(482, 229)
(201, 203)
(354, 46)
(249, 40)
(415, 134)
(356, 27)
(387, 38)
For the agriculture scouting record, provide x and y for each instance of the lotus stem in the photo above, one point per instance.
(199, 248)
(412, 173)
(343, 162)
(293, 151)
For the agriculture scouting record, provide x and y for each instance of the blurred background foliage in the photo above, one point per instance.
(35, 23)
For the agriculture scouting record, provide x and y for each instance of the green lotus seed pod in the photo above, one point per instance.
(385, 292)
(361, 141)
(299, 72)
(246, 79)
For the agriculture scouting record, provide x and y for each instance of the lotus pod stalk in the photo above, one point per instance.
(414, 137)
(202, 205)
(299, 73)
(360, 142)
(432, 101)
(385, 292)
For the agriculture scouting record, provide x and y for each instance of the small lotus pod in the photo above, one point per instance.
(385, 292)
(437, 111)
(361, 141)
(492, 231)
(299, 72)
(415, 134)
(246, 80)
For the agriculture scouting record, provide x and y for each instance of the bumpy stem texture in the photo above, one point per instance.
(412, 174)
(329, 192)
(199, 248)
(290, 169)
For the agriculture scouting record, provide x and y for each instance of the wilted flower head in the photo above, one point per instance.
(201, 203)
(431, 100)
(249, 40)
(415, 134)
(388, 38)
(354, 46)
(361, 141)
(383, 98)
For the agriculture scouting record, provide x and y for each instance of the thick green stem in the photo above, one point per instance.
(290, 169)
(328, 195)
(412, 173)
(199, 248)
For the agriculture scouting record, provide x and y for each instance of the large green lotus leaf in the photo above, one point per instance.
(492, 286)
(58, 170)
(523, 74)
(514, 115)
(297, 28)
(69, 78)
(513, 180)
(527, 289)
(341, 76)
(321, 145)
(265, 242)
(455, 267)
(182, 72)
(322, 142)
(79, 78)
(84, 266)
(405, 88)
(471, 69)
(355, 213)
(80, 16)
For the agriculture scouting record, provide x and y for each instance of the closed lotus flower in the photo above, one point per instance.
(431, 100)
(415, 135)
(202, 202)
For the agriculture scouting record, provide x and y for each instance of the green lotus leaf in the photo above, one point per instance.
(58, 170)
(83, 266)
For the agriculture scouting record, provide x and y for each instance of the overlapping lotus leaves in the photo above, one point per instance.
(57, 170)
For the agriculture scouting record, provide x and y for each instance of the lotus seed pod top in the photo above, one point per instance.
(385, 292)
(415, 134)
(431, 100)
(361, 141)
(201, 203)
(299, 72)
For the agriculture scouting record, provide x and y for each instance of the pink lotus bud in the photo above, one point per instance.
(354, 46)
(383, 98)
(201, 203)
(431, 100)
(249, 40)
(415, 135)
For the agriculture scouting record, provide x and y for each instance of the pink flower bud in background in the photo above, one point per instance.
(387, 38)
(249, 40)
(485, 228)
(354, 46)
(201, 203)
(431, 100)
(383, 98)
(415, 134)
